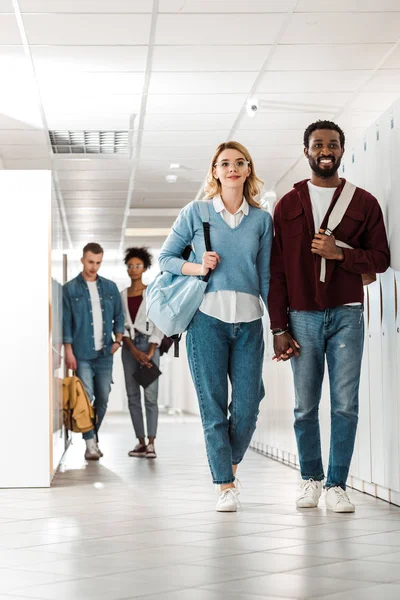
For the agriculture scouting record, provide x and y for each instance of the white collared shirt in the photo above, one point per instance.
(227, 305)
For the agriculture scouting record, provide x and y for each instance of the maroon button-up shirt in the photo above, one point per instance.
(295, 270)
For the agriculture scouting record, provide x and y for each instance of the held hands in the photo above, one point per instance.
(142, 358)
(285, 347)
(325, 246)
(210, 261)
(114, 348)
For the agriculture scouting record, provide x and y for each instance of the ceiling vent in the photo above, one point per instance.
(90, 142)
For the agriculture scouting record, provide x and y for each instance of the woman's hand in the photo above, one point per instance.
(142, 358)
(210, 261)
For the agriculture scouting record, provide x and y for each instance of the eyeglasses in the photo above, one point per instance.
(239, 164)
(136, 267)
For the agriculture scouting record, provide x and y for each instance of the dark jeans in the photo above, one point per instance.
(96, 376)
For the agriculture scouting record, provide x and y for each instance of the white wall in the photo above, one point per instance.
(372, 163)
(25, 443)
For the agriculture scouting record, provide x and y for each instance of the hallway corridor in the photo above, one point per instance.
(134, 528)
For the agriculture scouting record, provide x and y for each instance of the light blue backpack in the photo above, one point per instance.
(172, 300)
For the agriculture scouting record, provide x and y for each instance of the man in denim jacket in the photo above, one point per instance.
(92, 312)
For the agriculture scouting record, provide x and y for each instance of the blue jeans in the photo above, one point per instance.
(337, 333)
(141, 342)
(216, 351)
(96, 376)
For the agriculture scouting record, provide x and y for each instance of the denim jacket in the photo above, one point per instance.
(78, 327)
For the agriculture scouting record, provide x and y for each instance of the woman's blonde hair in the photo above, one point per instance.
(252, 185)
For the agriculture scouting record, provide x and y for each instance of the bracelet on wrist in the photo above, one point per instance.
(278, 331)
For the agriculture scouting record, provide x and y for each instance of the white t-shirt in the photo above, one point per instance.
(97, 315)
(321, 199)
(227, 305)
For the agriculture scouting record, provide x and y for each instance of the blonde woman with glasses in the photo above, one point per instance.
(225, 338)
(140, 346)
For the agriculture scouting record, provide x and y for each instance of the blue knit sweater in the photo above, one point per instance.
(244, 250)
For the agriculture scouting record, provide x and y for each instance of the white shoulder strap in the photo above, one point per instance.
(340, 207)
(335, 218)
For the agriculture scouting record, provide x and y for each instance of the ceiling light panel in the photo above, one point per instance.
(147, 231)
(56, 84)
(85, 29)
(218, 29)
(86, 6)
(95, 186)
(93, 163)
(341, 57)
(183, 138)
(209, 58)
(385, 79)
(347, 6)
(181, 123)
(190, 104)
(202, 83)
(219, 6)
(9, 33)
(91, 175)
(353, 28)
(89, 142)
(87, 120)
(78, 59)
(308, 81)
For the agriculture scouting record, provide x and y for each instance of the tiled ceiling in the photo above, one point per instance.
(179, 73)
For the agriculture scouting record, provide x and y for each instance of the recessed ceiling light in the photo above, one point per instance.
(171, 178)
(146, 231)
(174, 166)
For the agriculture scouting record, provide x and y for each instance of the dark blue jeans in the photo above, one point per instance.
(216, 351)
(338, 334)
(96, 376)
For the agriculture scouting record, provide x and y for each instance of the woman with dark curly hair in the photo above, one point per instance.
(140, 347)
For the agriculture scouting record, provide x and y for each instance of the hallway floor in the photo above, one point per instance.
(129, 528)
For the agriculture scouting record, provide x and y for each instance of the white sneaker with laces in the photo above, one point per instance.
(336, 499)
(310, 494)
(228, 500)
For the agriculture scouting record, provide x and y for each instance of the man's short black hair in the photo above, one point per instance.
(142, 253)
(323, 125)
(93, 247)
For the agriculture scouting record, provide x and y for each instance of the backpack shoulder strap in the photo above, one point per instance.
(204, 211)
(340, 207)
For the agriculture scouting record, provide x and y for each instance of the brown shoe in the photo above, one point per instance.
(139, 451)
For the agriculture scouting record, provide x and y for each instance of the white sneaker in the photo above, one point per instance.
(91, 455)
(91, 450)
(99, 452)
(310, 494)
(336, 499)
(228, 500)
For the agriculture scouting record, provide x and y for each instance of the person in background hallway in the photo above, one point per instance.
(141, 345)
(311, 319)
(92, 312)
(225, 338)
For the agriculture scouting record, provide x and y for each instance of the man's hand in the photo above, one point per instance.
(70, 360)
(325, 246)
(285, 347)
(142, 358)
(116, 346)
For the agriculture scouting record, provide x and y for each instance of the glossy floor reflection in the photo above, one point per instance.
(129, 528)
